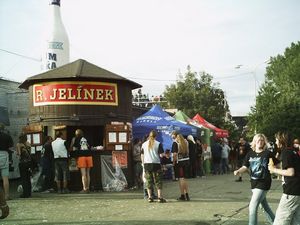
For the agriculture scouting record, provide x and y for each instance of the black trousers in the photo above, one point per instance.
(25, 174)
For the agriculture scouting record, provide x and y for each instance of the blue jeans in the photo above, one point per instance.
(288, 211)
(259, 197)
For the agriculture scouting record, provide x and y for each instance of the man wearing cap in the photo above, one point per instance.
(6, 142)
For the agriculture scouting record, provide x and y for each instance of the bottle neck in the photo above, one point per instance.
(55, 13)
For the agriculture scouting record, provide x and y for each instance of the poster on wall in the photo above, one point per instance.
(112, 137)
(122, 137)
(36, 139)
(120, 157)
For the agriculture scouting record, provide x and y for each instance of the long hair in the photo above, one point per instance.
(151, 138)
(283, 139)
(182, 145)
(255, 138)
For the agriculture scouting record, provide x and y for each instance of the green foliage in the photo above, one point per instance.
(278, 102)
(196, 93)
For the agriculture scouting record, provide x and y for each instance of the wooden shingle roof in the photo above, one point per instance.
(77, 70)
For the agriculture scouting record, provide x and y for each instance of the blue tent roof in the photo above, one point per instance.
(163, 123)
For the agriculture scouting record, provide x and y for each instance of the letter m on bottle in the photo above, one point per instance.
(52, 56)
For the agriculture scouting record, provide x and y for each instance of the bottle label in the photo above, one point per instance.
(55, 45)
(55, 2)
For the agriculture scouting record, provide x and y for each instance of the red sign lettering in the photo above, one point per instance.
(75, 93)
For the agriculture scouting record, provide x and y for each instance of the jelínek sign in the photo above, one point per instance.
(75, 93)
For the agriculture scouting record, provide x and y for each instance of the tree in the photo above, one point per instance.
(278, 102)
(196, 93)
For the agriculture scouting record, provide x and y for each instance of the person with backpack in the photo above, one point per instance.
(25, 165)
(84, 162)
(288, 211)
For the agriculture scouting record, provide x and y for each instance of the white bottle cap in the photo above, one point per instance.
(55, 2)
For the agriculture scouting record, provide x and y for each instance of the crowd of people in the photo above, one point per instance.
(190, 158)
(187, 158)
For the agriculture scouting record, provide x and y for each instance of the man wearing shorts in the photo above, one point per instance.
(62, 173)
(6, 142)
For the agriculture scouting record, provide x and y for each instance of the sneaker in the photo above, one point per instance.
(4, 211)
(150, 200)
(161, 200)
(187, 197)
(51, 190)
(239, 180)
(181, 198)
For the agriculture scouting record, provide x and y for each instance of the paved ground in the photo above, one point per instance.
(215, 200)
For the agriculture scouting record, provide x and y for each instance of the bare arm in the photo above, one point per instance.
(18, 149)
(142, 159)
(289, 172)
(240, 170)
(174, 158)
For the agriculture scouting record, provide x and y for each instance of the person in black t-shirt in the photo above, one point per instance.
(167, 165)
(242, 149)
(193, 157)
(288, 211)
(180, 152)
(257, 161)
(47, 163)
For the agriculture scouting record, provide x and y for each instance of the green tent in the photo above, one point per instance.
(205, 134)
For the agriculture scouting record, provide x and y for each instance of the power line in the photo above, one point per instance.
(217, 78)
(23, 56)
(135, 78)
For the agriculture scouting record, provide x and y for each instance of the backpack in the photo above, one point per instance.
(83, 144)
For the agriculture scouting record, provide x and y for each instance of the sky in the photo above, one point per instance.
(151, 42)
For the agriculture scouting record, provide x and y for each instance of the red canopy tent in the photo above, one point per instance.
(220, 133)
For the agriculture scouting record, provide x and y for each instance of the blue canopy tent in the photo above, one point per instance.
(163, 123)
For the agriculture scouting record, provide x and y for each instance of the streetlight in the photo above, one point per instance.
(256, 82)
(254, 72)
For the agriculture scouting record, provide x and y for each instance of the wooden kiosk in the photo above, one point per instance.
(83, 95)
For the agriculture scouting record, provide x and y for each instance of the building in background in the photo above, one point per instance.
(13, 114)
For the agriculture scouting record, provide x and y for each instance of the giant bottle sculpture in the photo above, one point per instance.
(56, 51)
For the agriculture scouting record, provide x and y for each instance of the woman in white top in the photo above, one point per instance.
(150, 155)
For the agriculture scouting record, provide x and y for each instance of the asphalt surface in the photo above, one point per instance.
(214, 200)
